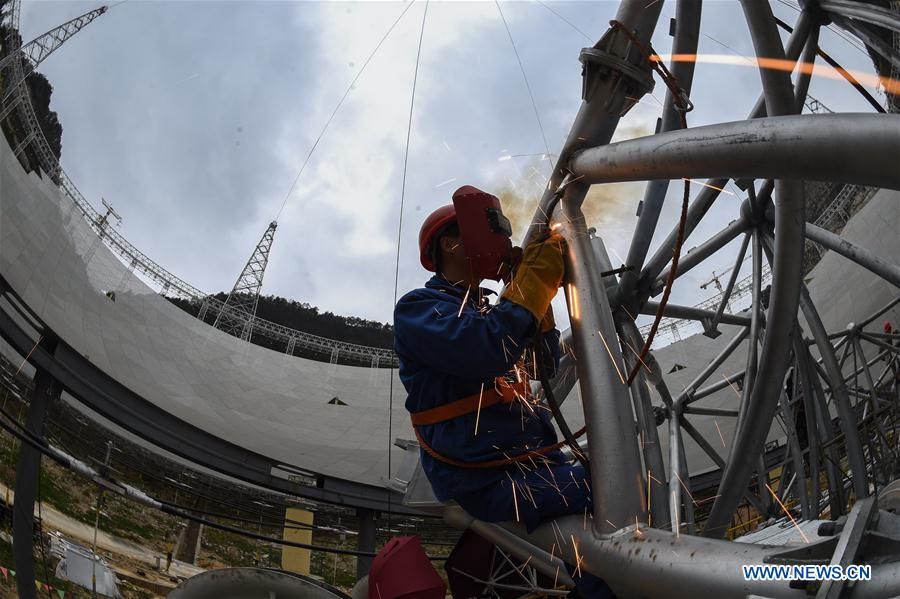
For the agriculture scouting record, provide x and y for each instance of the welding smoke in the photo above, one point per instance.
(609, 207)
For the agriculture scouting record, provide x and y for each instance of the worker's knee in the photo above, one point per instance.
(532, 497)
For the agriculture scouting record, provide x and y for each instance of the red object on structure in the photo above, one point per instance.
(401, 570)
(887, 327)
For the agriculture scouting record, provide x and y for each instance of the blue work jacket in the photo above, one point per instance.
(449, 349)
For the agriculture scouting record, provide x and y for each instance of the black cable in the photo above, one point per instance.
(571, 441)
(28, 437)
(282, 523)
(338, 107)
(412, 102)
(537, 114)
(567, 21)
(844, 73)
(564, 428)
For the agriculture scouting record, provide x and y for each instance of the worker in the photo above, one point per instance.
(466, 365)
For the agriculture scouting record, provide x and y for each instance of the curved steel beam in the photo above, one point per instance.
(869, 13)
(608, 99)
(643, 410)
(884, 269)
(787, 273)
(616, 472)
(843, 148)
(696, 255)
(691, 313)
(709, 194)
(869, 38)
(648, 562)
(687, 34)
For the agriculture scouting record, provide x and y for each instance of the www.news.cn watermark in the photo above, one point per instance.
(853, 572)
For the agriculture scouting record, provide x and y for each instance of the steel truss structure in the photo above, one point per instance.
(244, 295)
(834, 394)
(16, 99)
(832, 218)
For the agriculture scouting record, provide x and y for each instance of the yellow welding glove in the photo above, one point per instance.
(538, 276)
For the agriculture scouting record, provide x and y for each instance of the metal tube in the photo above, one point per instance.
(706, 197)
(689, 409)
(755, 324)
(841, 399)
(696, 211)
(616, 477)
(46, 391)
(787, 272)
(857, 369)
(762, 478)
(795, 45)
(545, 563)
(884, 269)
(804, 76)
(843, 148)
(825, 435)
(602, 108)
(796, 454)
(864, 12)
(809, 418)
(731, 280)
(696, 255)
(691, 313)
(869, 38)
(686, 482)
(875, 341)
(365, 541)
(870, 384)
(650, 445)
(715, 457)
(879, 312)
(648, 562)
(687, 34)
(675, 467)
(726, 381)
(713, 365)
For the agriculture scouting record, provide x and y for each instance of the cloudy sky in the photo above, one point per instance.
(193, 118)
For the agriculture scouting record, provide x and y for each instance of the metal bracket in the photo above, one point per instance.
(709, 328)
(599, 64)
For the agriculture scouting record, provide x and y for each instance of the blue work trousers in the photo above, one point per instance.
(533, 495)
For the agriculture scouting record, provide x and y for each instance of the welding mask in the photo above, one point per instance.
(484, 231)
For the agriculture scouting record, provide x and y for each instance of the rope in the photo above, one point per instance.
(568, 438)
(525, 78)
(412, 102)
(683, 105)
(841, 70)
(338, 107)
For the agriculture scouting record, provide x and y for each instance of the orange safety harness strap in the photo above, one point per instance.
(492, 463)
(502, 392)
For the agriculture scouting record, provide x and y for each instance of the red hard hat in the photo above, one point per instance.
(434, 223)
